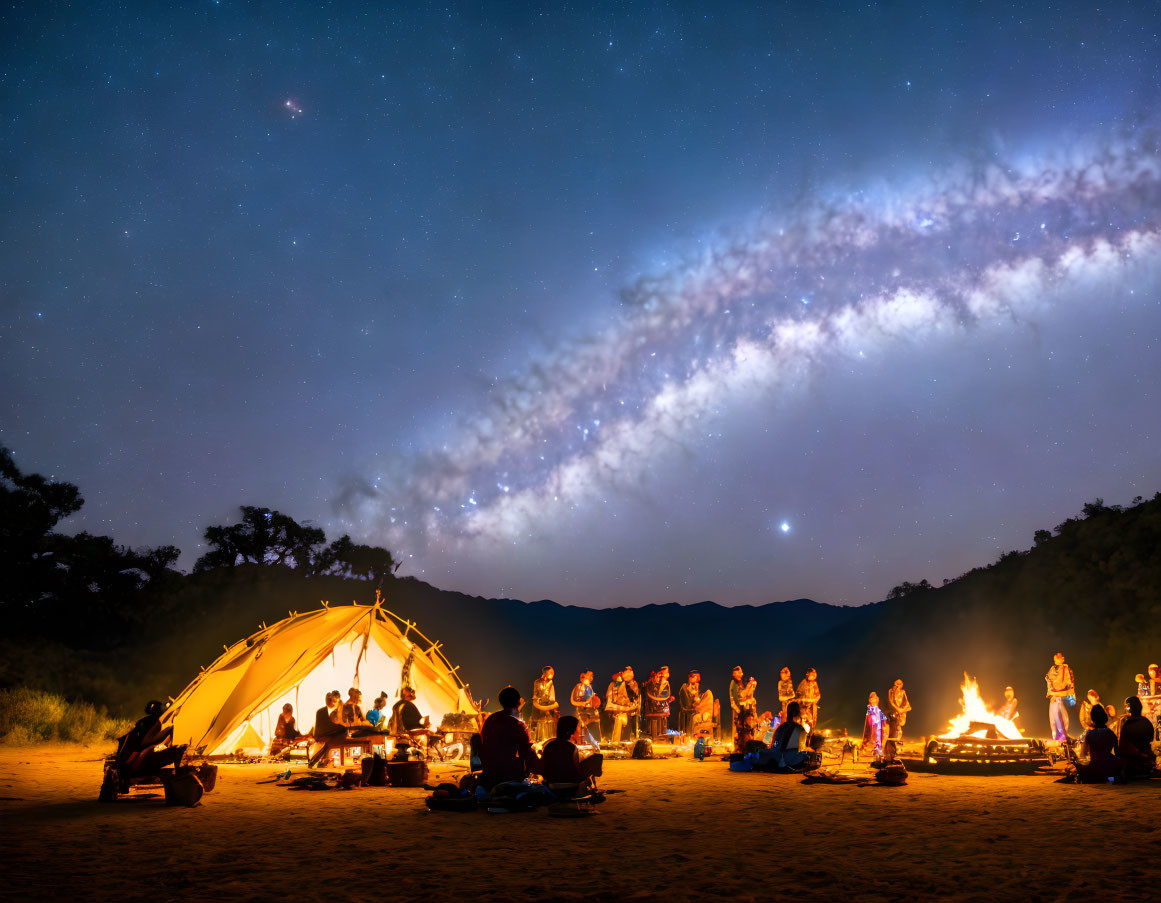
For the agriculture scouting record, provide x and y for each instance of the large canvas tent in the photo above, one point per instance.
(234, 703)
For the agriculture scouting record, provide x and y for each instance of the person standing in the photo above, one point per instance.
(873, 728)
(586, 705)
(786, 693)
(658, 697)
(809, 697)
(898, 705)
(1061, 686)
(688, 698)
(633, 691)
(617, 706)
(545, 708)
(737, 688)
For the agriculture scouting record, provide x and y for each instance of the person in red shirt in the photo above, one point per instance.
(505, 745)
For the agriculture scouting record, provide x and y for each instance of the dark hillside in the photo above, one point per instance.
(1093, 591)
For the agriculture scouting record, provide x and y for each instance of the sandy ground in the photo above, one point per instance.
(681, 829)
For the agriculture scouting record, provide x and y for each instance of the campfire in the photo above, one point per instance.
(976, 719)
(980, 741)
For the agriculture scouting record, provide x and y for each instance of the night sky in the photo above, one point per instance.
(604, 303)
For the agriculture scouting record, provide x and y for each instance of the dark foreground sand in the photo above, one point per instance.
(681, 830)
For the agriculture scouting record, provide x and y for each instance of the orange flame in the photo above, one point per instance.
(974, 709)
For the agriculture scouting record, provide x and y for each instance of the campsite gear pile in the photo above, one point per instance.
(560, 800)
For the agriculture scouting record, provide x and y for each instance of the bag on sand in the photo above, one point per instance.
(208, 775)
(183, 790)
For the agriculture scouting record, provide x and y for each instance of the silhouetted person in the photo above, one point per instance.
(328, 725)
(285, 729)
(136, 756)
(737, 688)
(352, 715)
(1100, 745)
(560, 762)
(790, 748)
(405, 714)
(506, 752)
(545, 708)
(1135, 744)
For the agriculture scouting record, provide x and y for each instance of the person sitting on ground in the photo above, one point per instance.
(136, 756)
(286, 729)
(790, 747)
(560, 761)
(1135, 743)
(506, 751)
(1099, 745)
(377, 714)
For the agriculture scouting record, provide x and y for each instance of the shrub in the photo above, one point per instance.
(30, 716)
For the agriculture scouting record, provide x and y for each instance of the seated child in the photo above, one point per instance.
(560, 759)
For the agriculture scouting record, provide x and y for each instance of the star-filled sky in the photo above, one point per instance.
(609, 303)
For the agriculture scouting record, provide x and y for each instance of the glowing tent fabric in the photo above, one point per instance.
(236, 701)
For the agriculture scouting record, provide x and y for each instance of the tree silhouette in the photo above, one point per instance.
(83, 586)
(263, 536)
(344, 558)
(906, 588)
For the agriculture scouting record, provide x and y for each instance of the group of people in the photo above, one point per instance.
(1114, 746)
(337, 720)
(1060, 690)
(883, 725)
(630, 708)
(507, 753)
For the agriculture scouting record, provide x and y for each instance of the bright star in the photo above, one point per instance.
(785, 527)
